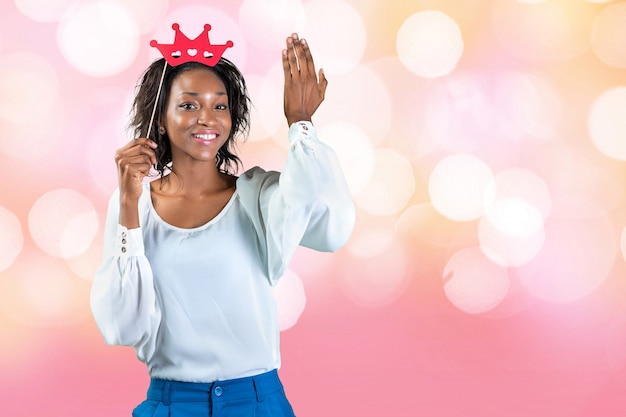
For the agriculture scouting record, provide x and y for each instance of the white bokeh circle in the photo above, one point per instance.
(377, 281)
(324, 20)
(608, 34)
(290, 299)
(473, 283)
(577, 255)
(11, 238)
(430, 44)
(521, 183)
(607, 124)
(99, 39)
(63, 223)
(391, 184)
(267, 23)
(27, 79)
(354, 149)
(511, 232)
(45, 11)
(459, 187)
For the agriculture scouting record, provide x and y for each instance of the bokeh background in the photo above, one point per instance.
(484, 142)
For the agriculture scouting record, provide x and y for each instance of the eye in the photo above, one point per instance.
(221, 107)
(188, 106)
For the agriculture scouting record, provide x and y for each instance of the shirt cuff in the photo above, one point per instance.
(303, 130)
(128, 242)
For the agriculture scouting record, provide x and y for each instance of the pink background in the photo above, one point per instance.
(420, 314)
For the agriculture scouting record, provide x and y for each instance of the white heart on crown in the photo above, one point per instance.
(192, 52)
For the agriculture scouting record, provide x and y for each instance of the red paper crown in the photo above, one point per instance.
(185, 50)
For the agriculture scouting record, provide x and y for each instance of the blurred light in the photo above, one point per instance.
(608, 34)
(99, 39)
(30, 141)
(514, 217)
(63, 223)
(616, 346)
(29, 80)
(511, 232)
(532, 103)
(531, 1)
(107, 133)
(45, 11)
(369, 241)
(548, 30)
(43, 292)
(290, 299)
(607, 124)
(430, 44)
(326, 19)
(577, 171)
(146, 13)
(459, 185)
(266, 97)
(377, 281)
(451, 114)
(523, 184)
(623, 243)
(86, 264)
(11, 238)
(577, 255)
(355, 152)
(390, 187)
(421, 223)
(364, 102)
(267, 24)
(473, 283)
(20, 344)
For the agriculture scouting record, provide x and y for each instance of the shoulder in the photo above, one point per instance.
(255, 177)
(255, 183)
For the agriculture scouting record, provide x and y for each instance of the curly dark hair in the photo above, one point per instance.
(238, 102)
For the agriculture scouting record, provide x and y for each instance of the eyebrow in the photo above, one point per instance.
(194, 94)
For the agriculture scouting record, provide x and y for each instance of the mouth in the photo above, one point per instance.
(205, 137)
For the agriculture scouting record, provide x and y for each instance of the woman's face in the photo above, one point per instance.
(197, 117)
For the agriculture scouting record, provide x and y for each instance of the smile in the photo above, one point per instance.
(205, 137)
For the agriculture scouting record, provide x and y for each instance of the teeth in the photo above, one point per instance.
(205, 137)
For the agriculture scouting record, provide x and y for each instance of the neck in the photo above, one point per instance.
(196, 178)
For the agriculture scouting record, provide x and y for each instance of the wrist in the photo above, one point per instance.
(291, 119)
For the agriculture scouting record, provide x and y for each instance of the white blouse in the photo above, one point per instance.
(197, 304)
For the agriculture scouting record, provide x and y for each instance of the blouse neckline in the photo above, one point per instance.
(215, 219)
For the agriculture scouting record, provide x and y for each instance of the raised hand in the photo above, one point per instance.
(134, 161)
(303, 91)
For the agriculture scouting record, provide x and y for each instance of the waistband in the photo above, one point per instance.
(257, 386)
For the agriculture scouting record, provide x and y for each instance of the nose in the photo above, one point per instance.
(206, 117)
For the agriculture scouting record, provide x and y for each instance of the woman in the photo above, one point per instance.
(190, 259)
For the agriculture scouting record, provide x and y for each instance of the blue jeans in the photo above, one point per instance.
(256, 396)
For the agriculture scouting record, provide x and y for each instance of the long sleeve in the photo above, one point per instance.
(123, 299)
(308, 204)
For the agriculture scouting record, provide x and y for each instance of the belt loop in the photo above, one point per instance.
(256, 388)
(166, 393)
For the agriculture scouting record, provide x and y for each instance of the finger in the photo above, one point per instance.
(286, 66)
(292, 41)
(134, 152)
(144, 141)
(323, 83)
(306, 59)
(139, 162)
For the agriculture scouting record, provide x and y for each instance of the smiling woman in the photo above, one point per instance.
(191, 258)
